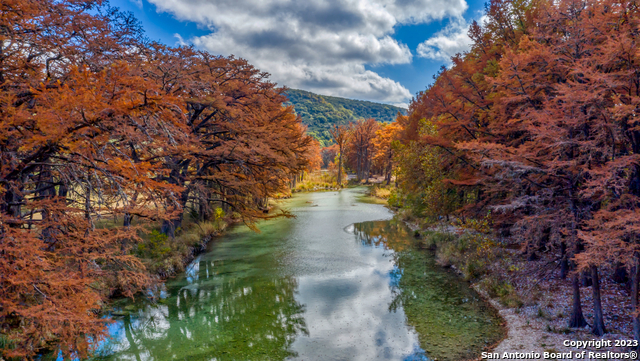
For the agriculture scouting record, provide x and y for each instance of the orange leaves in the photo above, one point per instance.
(314, 156)
(48, 282)
(237, 145)
(543, 110)
(360, 148)
(81, 136)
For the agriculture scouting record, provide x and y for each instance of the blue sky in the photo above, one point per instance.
(379, 50)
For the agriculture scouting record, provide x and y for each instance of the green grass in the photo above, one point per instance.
(165, 256)
(317, 181)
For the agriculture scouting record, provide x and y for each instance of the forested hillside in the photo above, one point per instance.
(320, 112)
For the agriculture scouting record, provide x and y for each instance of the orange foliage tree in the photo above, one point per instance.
(340, 134)
(242, 143)
(383, 144)
(329, 155)
(95, 121)
(360, 147)
(538, 123)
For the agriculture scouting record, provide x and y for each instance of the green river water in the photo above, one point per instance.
(341, 281)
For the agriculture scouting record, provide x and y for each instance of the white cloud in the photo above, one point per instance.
(401, 105)
(180, 41)
(321, 46)
(420, 11)
(451, 40)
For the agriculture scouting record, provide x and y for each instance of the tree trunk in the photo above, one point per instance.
(368, 166)
(63, 190)
(340, 168)
(87, 203)
(204, 208)
(620, 274)
(169, 227)
(389, 168)
(358, 166)
(365, 167)
(585, 279)
(598, 319)
(12, 206)
(127, 220)
(564, 262)
(576, 319)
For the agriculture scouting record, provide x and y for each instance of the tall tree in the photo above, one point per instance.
(340, 134)
(95, 121)
(361, 147)
(383, 144)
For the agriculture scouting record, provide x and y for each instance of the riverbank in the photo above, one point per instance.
(322, 180)
(165, 258)
(529, 295)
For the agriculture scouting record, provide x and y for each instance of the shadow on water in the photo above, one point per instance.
(452, 322)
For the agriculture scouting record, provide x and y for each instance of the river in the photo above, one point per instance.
(340, 281)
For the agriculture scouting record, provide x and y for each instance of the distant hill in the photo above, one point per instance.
(321, 112)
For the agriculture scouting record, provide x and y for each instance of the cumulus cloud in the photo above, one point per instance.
(321, 46)
(138, 3)
(451, 40)
(179, 40)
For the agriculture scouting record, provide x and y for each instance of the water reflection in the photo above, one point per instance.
(450, 319)
(303, 289)
(213, 318)
(348, 314)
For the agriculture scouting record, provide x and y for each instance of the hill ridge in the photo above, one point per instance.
(320, 112)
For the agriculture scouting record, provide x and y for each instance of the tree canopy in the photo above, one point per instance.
(96, 121)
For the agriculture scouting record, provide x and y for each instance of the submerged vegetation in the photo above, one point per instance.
(271, 296)
(452, 322)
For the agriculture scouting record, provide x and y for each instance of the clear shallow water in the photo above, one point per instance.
(341, 281)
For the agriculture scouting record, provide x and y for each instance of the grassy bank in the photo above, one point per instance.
(477, 259)
(530, 295)
(167, 257)
(161, 256)
(317, 181)
(381, 191)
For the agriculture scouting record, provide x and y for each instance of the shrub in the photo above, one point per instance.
(474, 268)
(503, 290)
(156, 246)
